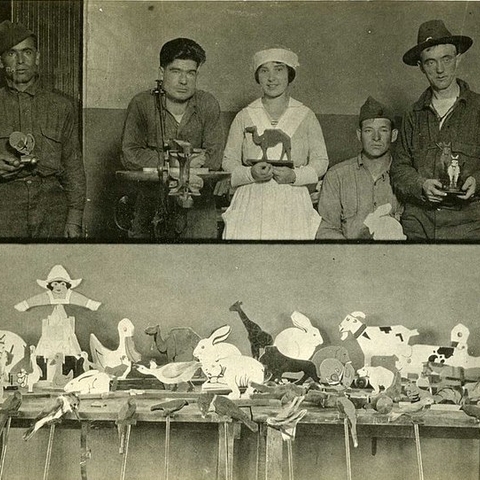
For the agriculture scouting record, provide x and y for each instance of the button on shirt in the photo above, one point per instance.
(348, 195)
(50, 118)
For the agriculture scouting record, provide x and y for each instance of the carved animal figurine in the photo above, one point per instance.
(285, 392)
(224, 407)
(459, 337)
(178, 345)
(213, 348)
(383, 226)
(377, 340)
(256, 336)
(91, 382)
(172, 373)
(378, 377)
(55, 410)
(346, 407)
(35, 372)
(446, 159)
(453, 173)
(125, 354)
(287, 418)
(10, 405)
(59, 379)
(169, 407)
(237, 371)
(299, 342)
(277, 364)
(271, 138)
(15, 348)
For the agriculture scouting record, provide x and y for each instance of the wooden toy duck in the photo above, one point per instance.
(171, 373)
(59, 379)
(36, 372)
(125, 354)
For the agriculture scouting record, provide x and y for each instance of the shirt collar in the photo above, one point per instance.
(259, 104)
(425, 99)
(360, 164)
(32, 89)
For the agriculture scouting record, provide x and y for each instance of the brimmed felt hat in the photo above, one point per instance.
(59, 274)
(374, 109)
(431, 33)
(11, 34)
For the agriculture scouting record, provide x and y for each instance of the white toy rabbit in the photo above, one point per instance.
(377, 376)
(237, 371)
(213, 348)
(382, 226)
(299, 342)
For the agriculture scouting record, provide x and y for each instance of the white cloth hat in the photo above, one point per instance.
(275, 55)
(58, 273)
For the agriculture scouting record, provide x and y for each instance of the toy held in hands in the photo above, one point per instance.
(24, 144)
(270, 138)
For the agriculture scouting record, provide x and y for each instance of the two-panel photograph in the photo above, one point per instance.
(239, 239)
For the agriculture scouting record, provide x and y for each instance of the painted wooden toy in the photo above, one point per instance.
(213, 348)
(90, 382)
(54, 411)
(178, 345)
(123, 356)
(379, 377)
(256, 336)
(34, 373)
(59, 379)
(58, 329)
(391, 340)
(224, 407)
(236, 372)
(14, 347)
(331, 371)
(271, 137)
(174, 373)
(277, 364)
(346, 407)
(299, 342)
(285, 392)
(11, 404)
(287, 418)
(169, 407)
(124, 420)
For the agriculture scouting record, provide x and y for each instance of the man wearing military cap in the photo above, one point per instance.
(436, 166)
(42, 179)
(356, 188)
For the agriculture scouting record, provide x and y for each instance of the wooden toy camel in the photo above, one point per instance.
(270, 138)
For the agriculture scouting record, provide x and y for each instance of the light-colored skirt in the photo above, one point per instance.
(271, 211)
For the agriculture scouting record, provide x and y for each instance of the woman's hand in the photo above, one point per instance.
(284, 175)
(262, 172)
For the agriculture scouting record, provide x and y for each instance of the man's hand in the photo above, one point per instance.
(284, 175)
(198, 160)
(262, 172)
(9, 166)
(72, 230)
(432, 190)
(469, 187)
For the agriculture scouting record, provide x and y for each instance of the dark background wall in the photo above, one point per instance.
(347, 51)
(424, 287)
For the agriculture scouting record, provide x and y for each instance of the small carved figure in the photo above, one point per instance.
(378, 377)
(257, 337)
(270, 138)
(125, 416)
(10, 405)
(453, 173)
(169, 407)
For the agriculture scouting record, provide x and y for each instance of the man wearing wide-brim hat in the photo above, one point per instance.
(42, 179)
(440, 131)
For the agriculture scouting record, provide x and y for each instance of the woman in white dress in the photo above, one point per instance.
(272, 202)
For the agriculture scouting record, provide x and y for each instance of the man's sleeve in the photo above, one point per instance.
(317, 151)
(213, 135)
(73, 177)
(407, 182)
(136, 154)
(330, 209)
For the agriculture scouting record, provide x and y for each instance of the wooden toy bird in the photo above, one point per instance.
(171, 373)
(285, 391)
(471, 410)
(59, 379)
(10, 405)
(287, 418)
(125, 417)
(169, 407)
(54, 411)
(415, 407)
(224, 407)
(35, 371)
(346, 407)
(106, 358)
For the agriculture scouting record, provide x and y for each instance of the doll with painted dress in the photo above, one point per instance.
(272, 201)
(58, 330)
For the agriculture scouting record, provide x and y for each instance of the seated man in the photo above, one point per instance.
(186, 114)
(357, 192)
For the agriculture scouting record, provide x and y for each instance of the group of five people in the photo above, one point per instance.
(275, 151)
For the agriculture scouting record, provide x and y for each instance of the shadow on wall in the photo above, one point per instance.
(102, 149)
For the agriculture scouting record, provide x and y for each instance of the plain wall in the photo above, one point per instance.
(431, 288)
(347, 51)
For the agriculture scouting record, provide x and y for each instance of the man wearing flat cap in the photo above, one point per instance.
(359, 188)
(42, 179)
(436, 167)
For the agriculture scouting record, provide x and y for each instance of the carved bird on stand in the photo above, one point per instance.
(125, 416)
(287, 418)
(347, 407)
(224, 407)
(54, 411)
(169, 406)
(10, 405)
